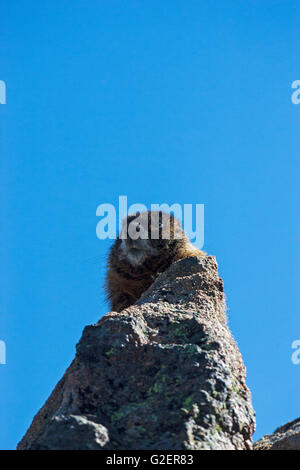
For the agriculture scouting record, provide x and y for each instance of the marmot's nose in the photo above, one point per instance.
(132, 243)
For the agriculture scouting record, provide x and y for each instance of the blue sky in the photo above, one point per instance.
(175, 102)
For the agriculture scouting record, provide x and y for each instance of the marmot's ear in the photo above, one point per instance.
(167, 214)
(133, 216)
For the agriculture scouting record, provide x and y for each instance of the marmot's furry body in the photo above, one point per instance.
(148, 244)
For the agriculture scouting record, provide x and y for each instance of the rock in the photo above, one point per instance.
(163, 374)
(286, 437)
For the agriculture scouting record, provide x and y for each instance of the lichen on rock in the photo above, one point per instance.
(163, 374)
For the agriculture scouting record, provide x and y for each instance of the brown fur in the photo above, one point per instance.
(125, 282)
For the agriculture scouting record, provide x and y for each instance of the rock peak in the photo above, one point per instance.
(163, 374)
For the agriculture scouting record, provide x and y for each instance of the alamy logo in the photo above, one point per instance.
(191, 217)
(296, 94)
(2, 92)
(296, 354)
(2, 352)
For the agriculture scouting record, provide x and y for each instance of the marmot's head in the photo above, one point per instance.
(148, 234)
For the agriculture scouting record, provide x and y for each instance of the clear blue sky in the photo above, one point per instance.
(162, 101)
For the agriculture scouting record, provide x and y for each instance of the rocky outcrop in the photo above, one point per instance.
(285, 437)
(163, 374)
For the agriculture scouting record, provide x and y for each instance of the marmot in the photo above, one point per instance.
(148, 244)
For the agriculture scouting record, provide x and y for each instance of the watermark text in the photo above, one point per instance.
(295, 97)
(296, 354)
(2, 92)
(2, 352)
(191, 217)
